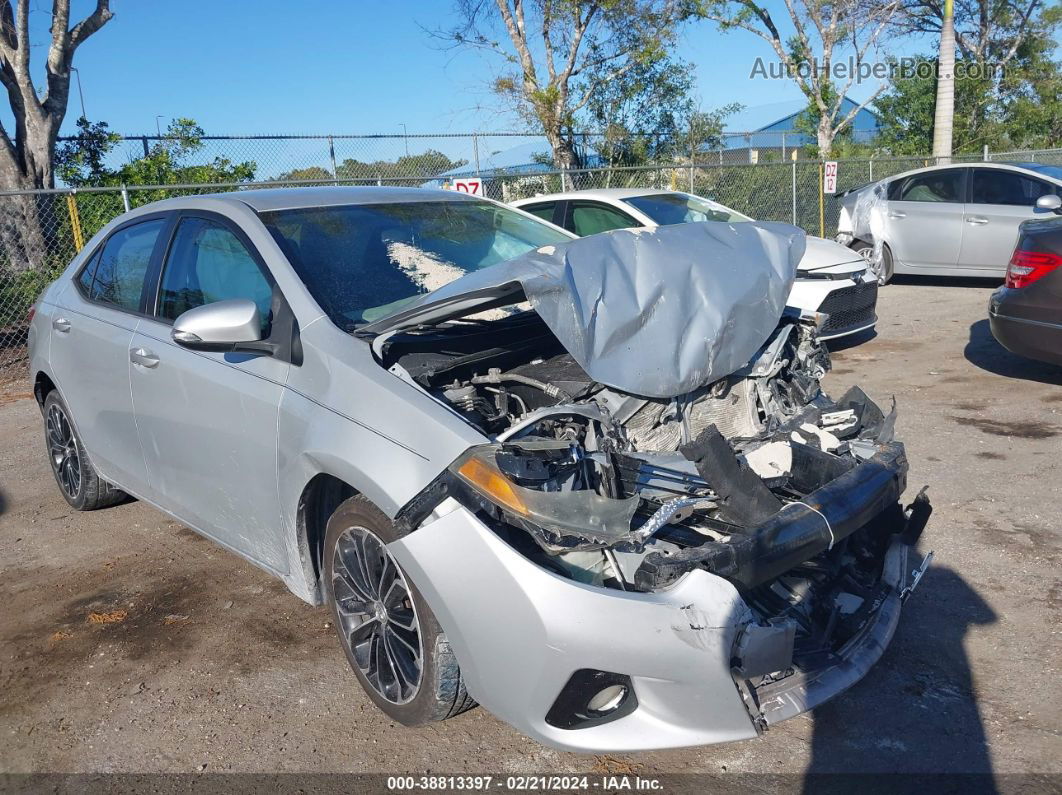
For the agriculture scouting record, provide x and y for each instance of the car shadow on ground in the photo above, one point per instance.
(916, 712)
(851, 341)
(946, 281)
(983, 351)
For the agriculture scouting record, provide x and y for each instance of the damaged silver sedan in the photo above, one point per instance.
(592, 485)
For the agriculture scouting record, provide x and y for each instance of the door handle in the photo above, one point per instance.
(976, 221)
(61, 324)
(897, 214)
(143, 357)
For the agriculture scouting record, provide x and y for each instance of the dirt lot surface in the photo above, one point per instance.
(128, 643)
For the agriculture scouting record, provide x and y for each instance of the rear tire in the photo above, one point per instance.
(392, 640)
(77, 479)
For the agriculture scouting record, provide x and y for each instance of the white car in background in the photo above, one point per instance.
(831, 279)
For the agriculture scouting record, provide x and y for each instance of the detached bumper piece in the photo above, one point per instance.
(811, 679)
(803, 655)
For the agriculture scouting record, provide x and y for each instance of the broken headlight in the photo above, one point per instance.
(548, 484)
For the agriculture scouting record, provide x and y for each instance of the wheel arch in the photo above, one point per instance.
(320, 497)
(42, 386)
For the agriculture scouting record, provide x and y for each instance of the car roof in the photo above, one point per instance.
(604, 194)
(267, 199)
(1000, 165)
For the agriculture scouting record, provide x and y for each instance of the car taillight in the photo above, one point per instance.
(30, 314)
(1027, 267)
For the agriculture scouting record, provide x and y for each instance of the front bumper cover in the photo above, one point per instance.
(520, 632)
(786, 698)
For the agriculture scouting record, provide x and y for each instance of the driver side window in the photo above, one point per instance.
(208, 263)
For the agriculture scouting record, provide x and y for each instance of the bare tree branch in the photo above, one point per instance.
(613, 75)
(37, 120)
(8, 37)
(589, 41)
(547, 39)
(821, 30)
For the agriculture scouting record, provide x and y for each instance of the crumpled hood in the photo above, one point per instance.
(656, 313)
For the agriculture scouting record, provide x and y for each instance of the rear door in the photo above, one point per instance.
(208, 421)
(999, 201)
(924, 220)
(91, 332)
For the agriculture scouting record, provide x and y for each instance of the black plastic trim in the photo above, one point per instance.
(569, 710)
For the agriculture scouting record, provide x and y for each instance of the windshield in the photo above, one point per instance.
(362, 262)
(682, 208)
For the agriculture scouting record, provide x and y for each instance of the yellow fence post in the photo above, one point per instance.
(75, 222)
(822, 204)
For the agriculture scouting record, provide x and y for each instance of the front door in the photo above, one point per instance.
(208, 421)
(923, 222)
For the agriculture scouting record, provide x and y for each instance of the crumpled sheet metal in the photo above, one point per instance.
(868, 216)
(653, 313)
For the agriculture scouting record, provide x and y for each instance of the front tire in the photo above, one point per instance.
(77, 479)
(392, 640)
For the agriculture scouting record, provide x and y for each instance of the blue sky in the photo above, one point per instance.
(243, 67)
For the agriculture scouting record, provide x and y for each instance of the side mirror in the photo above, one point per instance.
(230, 325)
(1050, 202)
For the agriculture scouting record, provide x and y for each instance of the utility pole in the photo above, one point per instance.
(944, 113)
(80, 93)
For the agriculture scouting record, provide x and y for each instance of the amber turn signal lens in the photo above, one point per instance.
(492, 484)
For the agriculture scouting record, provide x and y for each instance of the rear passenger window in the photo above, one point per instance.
(84, 279)
(118, 278)
(543, 211)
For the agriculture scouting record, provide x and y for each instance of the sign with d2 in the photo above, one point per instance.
(473, 185)
(829, 177)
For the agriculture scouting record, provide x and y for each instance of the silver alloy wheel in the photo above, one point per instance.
(378, 619)
(62, 447)
(876, 264)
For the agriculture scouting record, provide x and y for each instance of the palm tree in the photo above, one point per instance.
(945, 107)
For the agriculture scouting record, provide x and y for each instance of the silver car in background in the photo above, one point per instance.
(955, 220)
(592, 485)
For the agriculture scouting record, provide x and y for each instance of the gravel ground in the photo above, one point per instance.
(128, 643)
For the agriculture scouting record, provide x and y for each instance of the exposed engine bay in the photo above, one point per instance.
(758, 477)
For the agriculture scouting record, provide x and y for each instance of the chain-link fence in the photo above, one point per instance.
(41, 231)
(1051, 157)
(284, 157)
